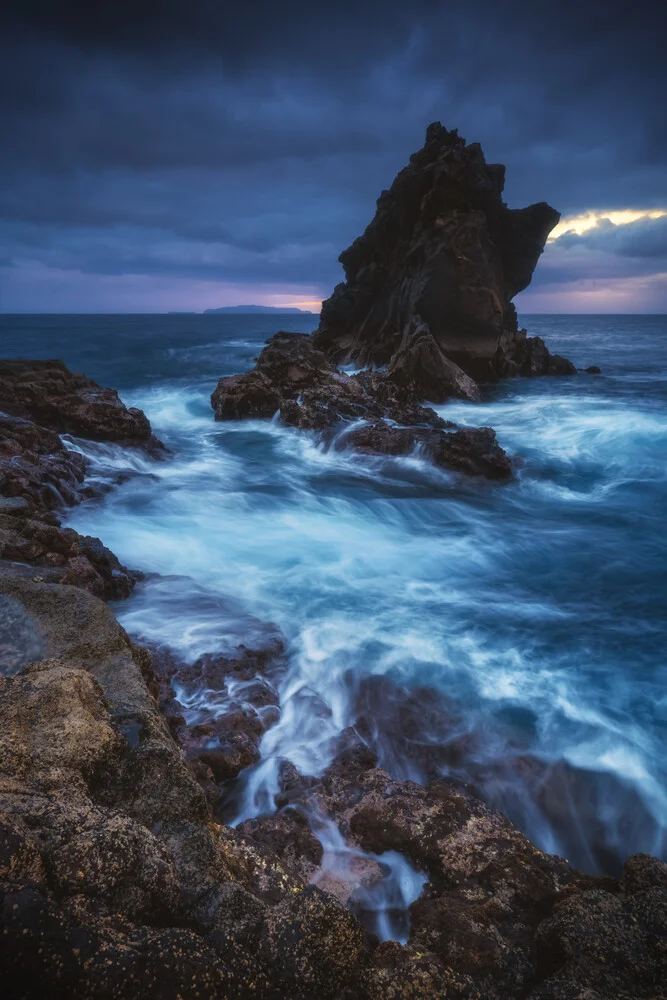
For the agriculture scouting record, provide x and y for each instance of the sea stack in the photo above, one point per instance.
(430, 283)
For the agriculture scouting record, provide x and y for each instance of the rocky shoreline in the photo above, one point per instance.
(120, 765)
(119, 875)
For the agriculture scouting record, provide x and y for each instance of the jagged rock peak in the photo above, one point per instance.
(442, 251)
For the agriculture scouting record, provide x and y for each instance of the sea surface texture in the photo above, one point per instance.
(537, 609)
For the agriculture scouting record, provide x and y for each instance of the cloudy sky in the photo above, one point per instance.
(181, 154)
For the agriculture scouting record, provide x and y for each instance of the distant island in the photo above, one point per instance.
(259, 309)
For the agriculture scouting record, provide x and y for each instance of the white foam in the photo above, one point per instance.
(375, 565)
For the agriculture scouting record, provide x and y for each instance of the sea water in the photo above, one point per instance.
(537, 608)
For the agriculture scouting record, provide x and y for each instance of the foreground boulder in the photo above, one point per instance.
(443, 256)
(498, 918)
(116, 881)
(379, 412)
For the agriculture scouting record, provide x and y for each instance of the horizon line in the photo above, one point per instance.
(301, 312)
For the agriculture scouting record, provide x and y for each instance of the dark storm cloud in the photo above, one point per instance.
(642, 238)
(248, 142)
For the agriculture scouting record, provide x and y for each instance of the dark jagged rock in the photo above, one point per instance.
(442, 255)
(499, 918)
(35, 465)
(39, 475)
(218, 709)
(48, 393)
(473, 451)
(530, 356)
(419, 361)
(48, 553)
(292, 377)
(428, 294)
(115, 880)
(300, 382)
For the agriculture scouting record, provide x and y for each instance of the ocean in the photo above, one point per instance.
(537, 609)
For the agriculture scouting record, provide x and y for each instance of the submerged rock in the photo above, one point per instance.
(444, 256)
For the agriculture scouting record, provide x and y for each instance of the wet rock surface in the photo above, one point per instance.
(218, 708)
(435, 272)
(45, 551)
(116, 879)
(40, 476)
(498, 918)
(380, 412)
(473, 451)
(48, 393)
(35, 465)
(118, 876)
(428, 297)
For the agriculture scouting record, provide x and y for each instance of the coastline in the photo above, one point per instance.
(112, 846)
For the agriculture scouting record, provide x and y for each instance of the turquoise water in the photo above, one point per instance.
(537, 608)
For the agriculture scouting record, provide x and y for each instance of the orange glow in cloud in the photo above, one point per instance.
(312, 305)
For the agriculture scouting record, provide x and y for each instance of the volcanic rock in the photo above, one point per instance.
(292, 377)
(404, 973)
(295, 379)
(474, 451)
(443, 255)
(115, 879)
(530, 356)
(39, 475)
(36, 466)
(313, 943)
(499, 918)
(43, 551)
(420, 361)
(218, 708)
(48, 393)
